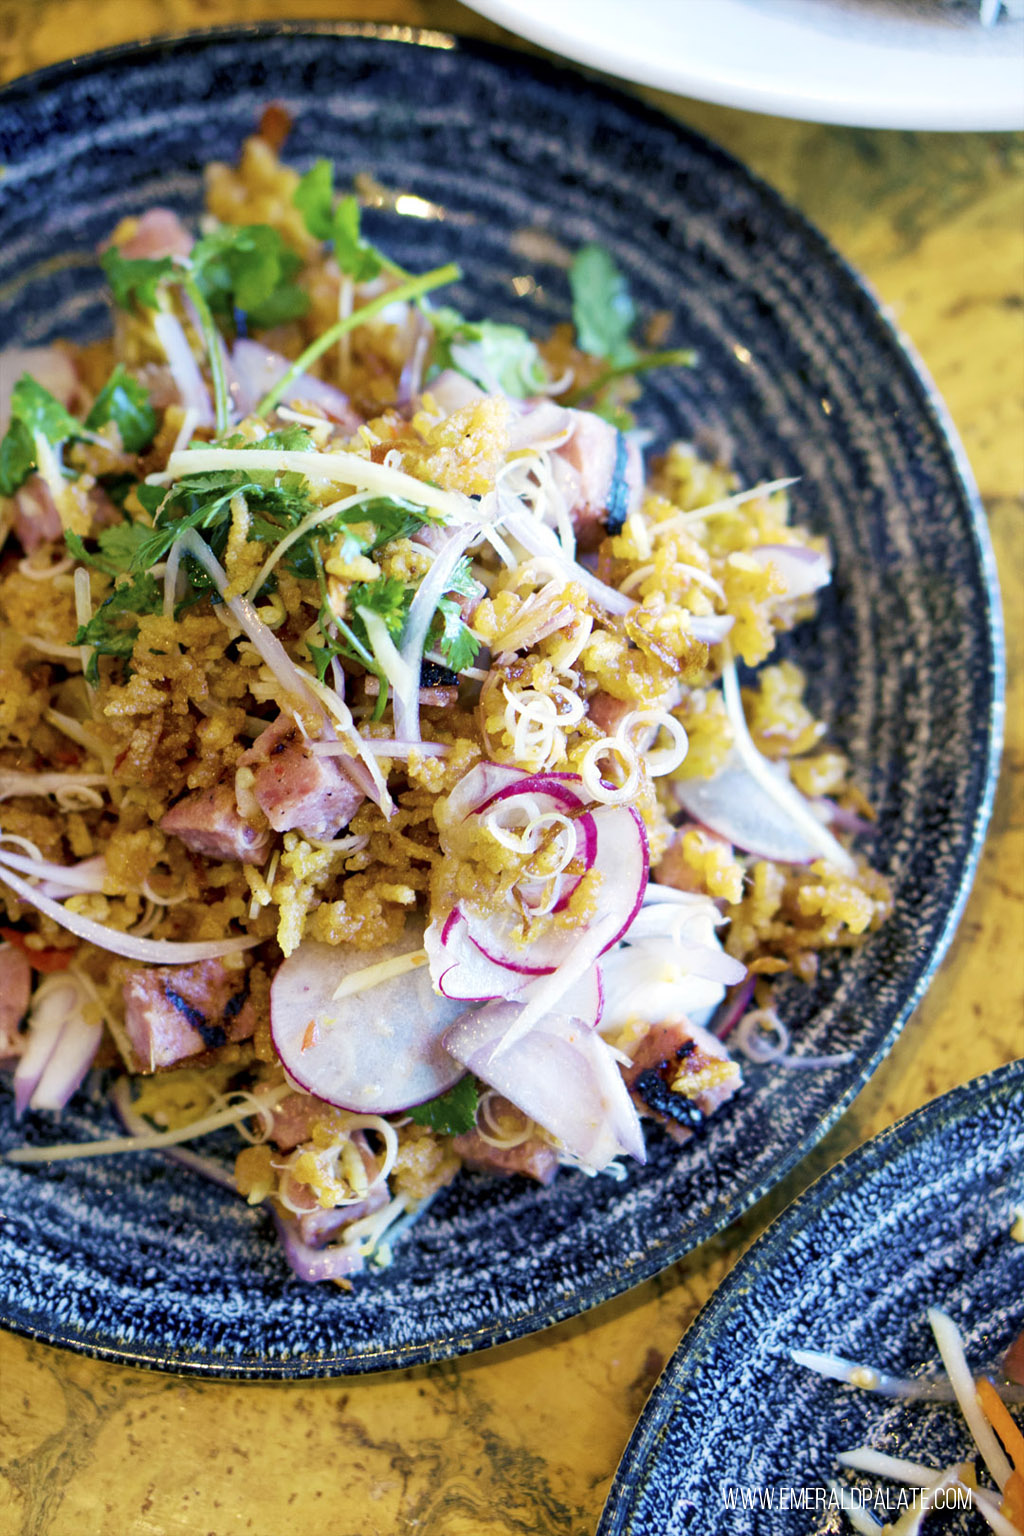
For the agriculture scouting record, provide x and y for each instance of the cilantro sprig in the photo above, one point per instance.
(339, 221)
(604, 315)
(492, 354)
(452, 1113)
(113, 628)
(34, 411)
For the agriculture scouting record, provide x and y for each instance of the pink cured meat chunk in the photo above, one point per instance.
(176, 1012)
(295, 1117)
(159, 233)
(15, 991)
(209, 823)
(599, 471)
(532, 1157)
(296, 789)
(36, 519)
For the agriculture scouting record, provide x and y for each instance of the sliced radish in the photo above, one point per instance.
(465, 973)
(620, 857)
(735, 806)
(377, 1050)
(803, 570)
(560, 1074)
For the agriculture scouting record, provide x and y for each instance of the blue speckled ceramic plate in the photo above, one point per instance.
(919, 1217)
(135, 1260)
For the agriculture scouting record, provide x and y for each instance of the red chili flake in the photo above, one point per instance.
(45, 960)
(309, 1038)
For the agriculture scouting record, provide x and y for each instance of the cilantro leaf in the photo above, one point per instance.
(457, 641)
(17, 457)
(33, 409)
(249, 267)
(353, 254)
(124, 401)
(388, 597)
(107, 632)
(451, 1113)
(134, 280)
(603, 311)
(118, 545)
(314, 198)
(493, 355)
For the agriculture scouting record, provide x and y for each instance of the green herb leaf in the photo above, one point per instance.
(17, 457)
(603, 311)
(124, 401)
(354, 255)
(33, 409)
(452, 1113)
(457, 642)
(107, 632)
(491, 354)
(134, 280)
(389, 597)
(314, 198)
(249, 267)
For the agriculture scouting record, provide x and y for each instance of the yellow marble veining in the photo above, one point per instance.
(526, 1438)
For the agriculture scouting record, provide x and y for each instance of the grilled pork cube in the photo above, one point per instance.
(532, 1157)
(600, 473)
(681, 1074)
(174, 1012)
(295, 788)
(15, 992)
(208, 822)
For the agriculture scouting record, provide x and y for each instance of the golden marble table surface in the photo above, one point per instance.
(525, 1438)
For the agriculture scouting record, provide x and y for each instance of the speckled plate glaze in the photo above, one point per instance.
(919, 1217)
(138, 1261)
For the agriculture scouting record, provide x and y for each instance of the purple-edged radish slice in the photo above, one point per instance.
(377, 1048)
(620, 857)
(803, 570)
(561, 1074)
(463, 972)
(735, 806)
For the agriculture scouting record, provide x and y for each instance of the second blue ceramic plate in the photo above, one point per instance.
(507, 166)
(736, 1436)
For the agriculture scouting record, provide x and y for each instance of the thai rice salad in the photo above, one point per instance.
(376, 774)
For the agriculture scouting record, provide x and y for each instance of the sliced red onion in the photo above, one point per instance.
(560, 1073)
(734, 1007)
(540, 422)
(421, 615)
(375, 1051)
(148, 951)
(58, 881)
(45, 1029)
(452, 391)
(540, 541)
(192, 391)
(314, 1264)
(13, 782)
(711, 628)
(803, 570)
(68, 1065)
(254, 369)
